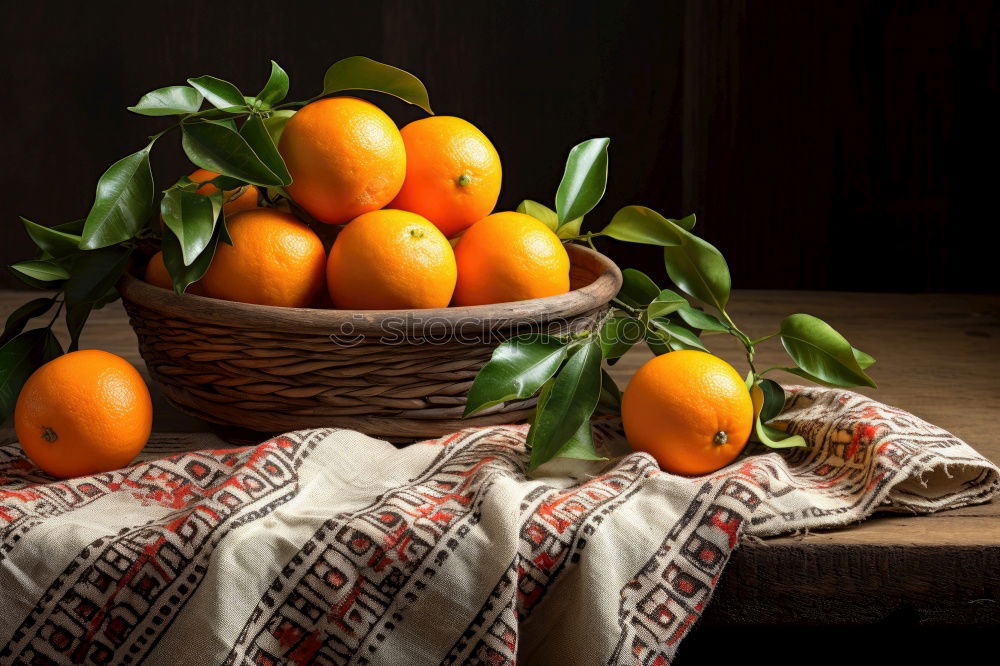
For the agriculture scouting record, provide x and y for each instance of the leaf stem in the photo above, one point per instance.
(742, 337)
(586, 238)
(626, 306)
(766, 337)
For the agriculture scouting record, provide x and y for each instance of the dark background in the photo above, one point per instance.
(823, 145)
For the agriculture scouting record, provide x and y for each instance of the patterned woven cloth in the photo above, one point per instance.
(326, 546)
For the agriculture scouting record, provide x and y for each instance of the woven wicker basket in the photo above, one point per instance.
(401, 375)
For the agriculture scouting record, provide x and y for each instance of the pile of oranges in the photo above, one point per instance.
(416, 230)
(416, 205)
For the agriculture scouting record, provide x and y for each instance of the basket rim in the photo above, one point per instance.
(203, 309)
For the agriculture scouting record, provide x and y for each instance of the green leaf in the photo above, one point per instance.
(821, 351)
(701, 320)
(53, 241)
(275, 124)
(573, 398)
(699, 269)
(94, 273)
(799, 372)
(361, 73)
(638, 224)
(768, 400)
(220, 149)
(42, 270)
(776, 439)
(611, 395)
(276, 87)
(169, 101)
(77, 315)
(658, 340)
(75, 227)
(93, 277)
(110, 296)
(666, 301)
(517, 369)
(584, 180)
(123, 203)
(617, 336)
(50, 347)
(220, 94)
(219, 115)
(19, 358)
(191, 217)
(32, 282)
(864, 360)
(21, 316)
(580, 445)
(638, 289)
(677, 337)
(686, 223)
(184, 275)
(571, 229)
(228, 123)
(774, 399)
(257, 136)
(540, 212)
(548, 217)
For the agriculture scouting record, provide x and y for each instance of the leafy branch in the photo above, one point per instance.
(562, 370)
(221, 130)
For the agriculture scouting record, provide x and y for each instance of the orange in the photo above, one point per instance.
(452, 173)
(275, 259)
(390, 260)
(688, 409)
(156, 274)
(345, 156)
(82, 413)
(234, 202)
(509, 257)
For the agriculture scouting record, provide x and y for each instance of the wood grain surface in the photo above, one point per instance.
(938, 357)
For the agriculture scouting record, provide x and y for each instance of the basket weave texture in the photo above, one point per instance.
(400, 375)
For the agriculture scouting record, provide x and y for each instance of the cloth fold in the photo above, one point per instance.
(327, 546)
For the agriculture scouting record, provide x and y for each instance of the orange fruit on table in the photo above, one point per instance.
(345, 156)
(389, 260)
(452, 173)
(234, 202)
(275, 259)
(509, 257)
(688, 409)
(82, 413)
(156, 274)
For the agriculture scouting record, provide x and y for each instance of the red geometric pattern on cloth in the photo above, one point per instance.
(556, 524)
(354, 577)
(112, 603)
(352, 581)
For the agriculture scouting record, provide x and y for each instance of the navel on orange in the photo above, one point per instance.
(509, 257)
(275, 259)
(453, 173)
(83, 413)
(388, 260)
(688, 409)
(345, 156)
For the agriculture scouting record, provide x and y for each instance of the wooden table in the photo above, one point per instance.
(938, 356)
